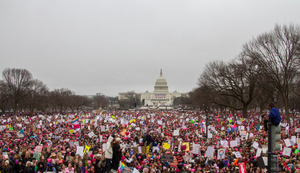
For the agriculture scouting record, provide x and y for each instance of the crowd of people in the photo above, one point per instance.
(144, 141)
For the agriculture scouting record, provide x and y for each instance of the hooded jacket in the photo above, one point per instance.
(108, 149)
(275, 116)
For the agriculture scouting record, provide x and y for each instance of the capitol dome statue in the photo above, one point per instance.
(161, 85)
(160, 97)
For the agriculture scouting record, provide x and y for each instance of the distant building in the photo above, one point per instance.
(160, 97)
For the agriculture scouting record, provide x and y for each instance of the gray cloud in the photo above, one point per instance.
(117, 46)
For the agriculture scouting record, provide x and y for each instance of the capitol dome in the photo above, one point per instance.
(161, 85)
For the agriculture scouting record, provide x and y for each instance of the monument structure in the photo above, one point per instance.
(160, 97)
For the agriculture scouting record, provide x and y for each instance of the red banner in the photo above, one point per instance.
(242, 167)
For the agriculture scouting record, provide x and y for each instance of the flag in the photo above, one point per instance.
(121, 167)
(74, 120)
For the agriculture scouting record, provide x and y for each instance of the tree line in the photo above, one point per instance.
(266, 70)
(20, 92)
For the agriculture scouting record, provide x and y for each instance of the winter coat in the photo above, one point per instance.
(275, 116)
(108, 149)
(29, 169)
(7, 170)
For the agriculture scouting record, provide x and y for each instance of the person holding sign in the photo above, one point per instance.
(109, 152)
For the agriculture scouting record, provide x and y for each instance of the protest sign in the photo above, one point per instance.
(242, 167)
(38, 149)
(79, 151)
(221, 153)
(258, 152)
(176, 133)
(233, 143)
(185, 146)
(167, 158)
(287, 142)
(255, 144)
(287, 151)
(209, 152)
(224, 143)
(238, 154)
(196, 148)
(91, 134)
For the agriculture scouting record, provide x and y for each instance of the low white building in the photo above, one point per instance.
(160, 97)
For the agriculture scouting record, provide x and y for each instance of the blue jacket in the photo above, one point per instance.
(275, 116)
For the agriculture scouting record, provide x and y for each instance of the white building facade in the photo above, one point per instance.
(160, 97)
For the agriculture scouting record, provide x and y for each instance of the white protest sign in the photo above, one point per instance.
(209, 152)
(176, 133)
(221, 153)
(196, 148)
(233, 143)
(255, 145)
(155, 149)
(79, 150)
(91, 134)
(294, 139)
(287, 142)
(258, 152)
(224, 143)
(238, 154)
(287, 151)
(264, 148)
(265, 159)
(209, 135)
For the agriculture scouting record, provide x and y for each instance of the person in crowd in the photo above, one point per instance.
(69, 168)
(29, 168)
(149, 140)
(89, 168)
(109, 153)
(117, 154)
(41, 167)
(50, 168)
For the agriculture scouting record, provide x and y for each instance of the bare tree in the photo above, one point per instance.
(36, 96)
(4, 96)
(100, 101)
(234, 83)
(278, 55)
(76, 101)
(19, 82)
(202, 97)
(131, 100)
(60, 99)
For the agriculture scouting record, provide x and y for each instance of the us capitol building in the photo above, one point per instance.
(159, 98)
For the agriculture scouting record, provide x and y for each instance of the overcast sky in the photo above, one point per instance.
(116, 46)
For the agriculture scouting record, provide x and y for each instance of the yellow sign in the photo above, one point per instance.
(86, 149)
(187, 146)
(132, 121)
(147, 149)
(71, 131)
(166, 146)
